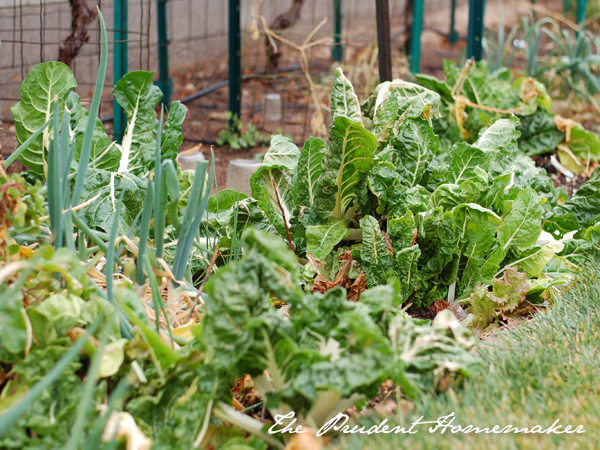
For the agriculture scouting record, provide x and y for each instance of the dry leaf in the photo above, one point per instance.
(439, 305)
(322, 284)
(564, 125)
(389, 248)
(357, 288)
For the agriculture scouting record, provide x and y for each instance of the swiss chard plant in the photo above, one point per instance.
(440, 217)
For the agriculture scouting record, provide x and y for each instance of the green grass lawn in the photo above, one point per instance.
(546, 369)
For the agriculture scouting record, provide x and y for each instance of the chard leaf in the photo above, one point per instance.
(322, 238)
(138, 97)
(382, 182)
(522, 226)
(584, 206)
(282, 152)
(223, 200)
(415, 146)
(489, 198)
(395, 102)
(407, 269)
(279, 162)
(579, 251)
(44, 84)
(100, 140)
(101, 213)
(171, 133)
(468, 163)
(476, 226)
(536, 259)
(375, 261)
(110, 161)
(308, 171)
(436, 85)
(350, 154)
(448, 196)
(539, 133)
(344, 102)
(402, 230)
(584, 144)
(502, 134)
(438, 241)
(472, 220)
(264, 191)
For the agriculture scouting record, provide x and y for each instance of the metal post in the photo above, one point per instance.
(383, 40)
(235, 61)
(453, 36)
(580, 14)
(164, 82)
(415, 35)
(475, 38)
(120, 63)
(337, 53)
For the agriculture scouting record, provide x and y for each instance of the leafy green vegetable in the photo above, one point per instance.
(350, 153)
(44, 84)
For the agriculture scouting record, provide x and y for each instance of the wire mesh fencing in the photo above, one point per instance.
(33, 31)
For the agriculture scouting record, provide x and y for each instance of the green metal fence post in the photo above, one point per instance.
(453, 36)
(382, 12)
(580, 14)
(235, 61)
(566, 7)
(164, 82)
(475, 38)
(120, 63)
(415, 35)
(337, 52)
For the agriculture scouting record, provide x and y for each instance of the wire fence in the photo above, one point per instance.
(33, 31)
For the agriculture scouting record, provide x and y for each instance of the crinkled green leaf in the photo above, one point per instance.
(44, 84)
(448, 196)
(171, 133)
(406, 265)
(534, 261)
(282, 153)
(502, 134)
(375, 261)
(585, 204)
(402, 230)
(539, 133)
(507, 293)
(344, 102)
(393, 102)
(101, 212)
(522, 226)
(264, 191)
(467, 163)
(308, 171)
(322, 238)
(138, 96)
(414, 147)
(350, 153)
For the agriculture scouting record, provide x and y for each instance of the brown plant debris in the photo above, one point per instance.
(439, 305)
